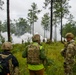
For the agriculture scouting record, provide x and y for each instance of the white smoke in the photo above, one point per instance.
(15, 39)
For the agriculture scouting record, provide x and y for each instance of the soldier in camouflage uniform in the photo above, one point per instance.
(35, 57)
(13, 63)
(69, 53)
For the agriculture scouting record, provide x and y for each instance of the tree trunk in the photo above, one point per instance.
(0, 28)
(61, 21)
(8, 21)
(55, 33)
(33, 28)
(44, 33)
(51, 19)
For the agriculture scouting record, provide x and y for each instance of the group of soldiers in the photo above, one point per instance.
(35, 55)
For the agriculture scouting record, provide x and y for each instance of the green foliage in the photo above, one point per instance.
(52, 53)
(74, 68)
(45, 22)
(22, 26)
(32, 15)
(2, 39)
(19, 27)
(48, 62)
(69, 27)
(60, 8)
(19, 47)
(4, 27)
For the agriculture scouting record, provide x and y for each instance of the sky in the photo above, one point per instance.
(72, 3)
(19, 8)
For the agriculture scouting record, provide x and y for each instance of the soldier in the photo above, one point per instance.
(8, 62)
(35, 55)
(69, 53)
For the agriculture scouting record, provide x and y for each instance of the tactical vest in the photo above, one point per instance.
(33, 54)
(6, 63)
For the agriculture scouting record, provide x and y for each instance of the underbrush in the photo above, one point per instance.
(52, 52)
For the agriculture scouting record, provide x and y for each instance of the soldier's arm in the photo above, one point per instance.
(42, 54)
(24, 54)
(70, 51)
(63, 52)
(16, 66)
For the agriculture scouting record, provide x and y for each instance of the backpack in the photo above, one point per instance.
(33, 54)
(4, 64)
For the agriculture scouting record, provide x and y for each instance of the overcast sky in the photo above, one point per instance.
(19, 8)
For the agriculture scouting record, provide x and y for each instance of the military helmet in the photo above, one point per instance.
(69, 35)
(36, 37)
(7, 46)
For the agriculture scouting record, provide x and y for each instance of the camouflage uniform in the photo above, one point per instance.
(69, 53)
(13, 63)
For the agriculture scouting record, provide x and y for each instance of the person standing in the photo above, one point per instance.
(8, 63)
(35, 55)
(69, 53)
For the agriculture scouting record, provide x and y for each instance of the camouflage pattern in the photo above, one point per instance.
(69, 35)
(13, 70)
(36, 38)
(11, 67)
(16, 71)
(7, 46)
(33, 56)
(69, 53)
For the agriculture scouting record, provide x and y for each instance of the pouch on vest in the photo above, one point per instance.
(33, 54)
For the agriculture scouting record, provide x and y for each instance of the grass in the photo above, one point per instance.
(52, 51)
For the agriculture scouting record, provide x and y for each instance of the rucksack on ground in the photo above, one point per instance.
(33, 54)
(4, 64)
